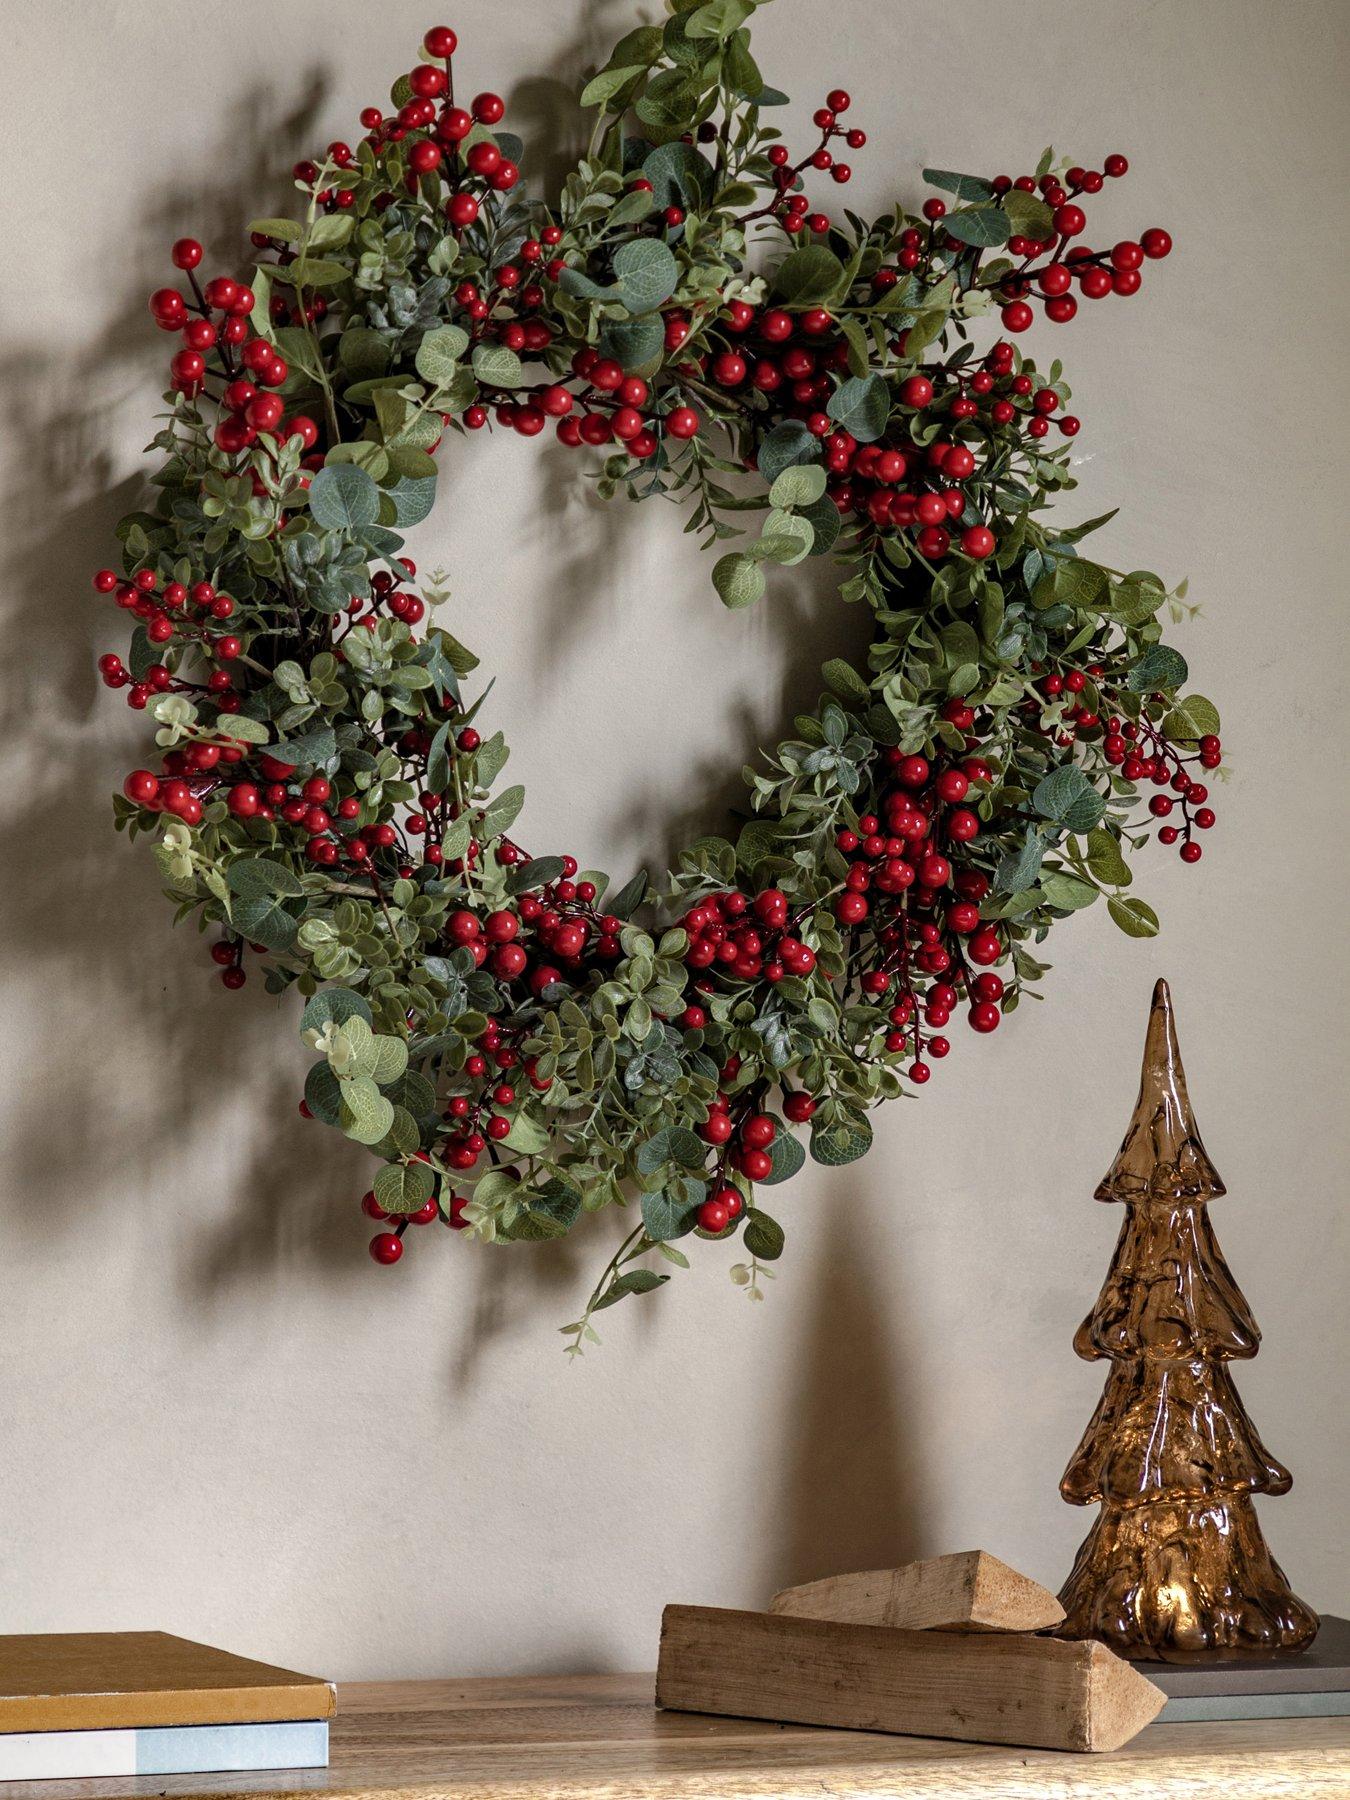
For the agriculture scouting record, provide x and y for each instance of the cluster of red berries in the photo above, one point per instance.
(554, 933)
(925, 913)
(215, 320)
(748, 938)
(482, 1114)
(898, 485)
(791, 208)
(611, 412)
(438, 129)
(170, 610)
(1096, 273)
(895, 484)
(386, 1247)
(1076, 718)
(1143, 754)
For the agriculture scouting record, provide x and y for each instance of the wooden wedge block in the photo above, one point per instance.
(993, 1688)
(968, 1591)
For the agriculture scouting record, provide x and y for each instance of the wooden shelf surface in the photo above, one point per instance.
(582, 1736)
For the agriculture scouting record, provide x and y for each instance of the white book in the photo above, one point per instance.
(163, 1750)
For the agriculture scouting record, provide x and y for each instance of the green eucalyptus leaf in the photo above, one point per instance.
(787, 1155)
(965, 187)
(739, 580)
(982, 226)
(764, 1237)
(343, 498)
(439, 352)
(813, 276)
(402, 1188)
(800, 485)
(646, 273)
(844, 1141)
(1159, 668)
(497, 367)
(861, 406)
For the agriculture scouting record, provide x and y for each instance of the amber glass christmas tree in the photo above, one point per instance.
(1176, 1566)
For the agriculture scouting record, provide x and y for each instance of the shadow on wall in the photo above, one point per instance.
(854, 1491)
(133, 1050)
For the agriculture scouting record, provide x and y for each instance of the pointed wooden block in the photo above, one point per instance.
(1047, 1693)
(968, 1591)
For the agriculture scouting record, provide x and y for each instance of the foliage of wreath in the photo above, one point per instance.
(276, 645)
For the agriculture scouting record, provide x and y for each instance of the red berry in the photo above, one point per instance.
(985, 946)
(713, 1216)
(385, 1247)
(1156, 243)
(759, 1131)
(716, 1128)
(141, 787)
(729, 370)
(799, 1108)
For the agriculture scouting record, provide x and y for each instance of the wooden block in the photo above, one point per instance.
(968, 1591)
(97, 1680)
(1048, 1693)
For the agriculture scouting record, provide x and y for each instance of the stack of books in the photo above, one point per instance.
(76, 1704)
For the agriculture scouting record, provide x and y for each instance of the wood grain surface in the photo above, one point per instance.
(967, 1591)
(574, 1737)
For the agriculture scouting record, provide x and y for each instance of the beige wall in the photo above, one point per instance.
(215, 1415)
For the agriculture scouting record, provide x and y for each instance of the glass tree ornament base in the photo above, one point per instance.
(1181, 1581)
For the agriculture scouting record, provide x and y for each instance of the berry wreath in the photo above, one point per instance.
(500, 1029)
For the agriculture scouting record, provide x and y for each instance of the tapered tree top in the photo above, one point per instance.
(1161, 1156)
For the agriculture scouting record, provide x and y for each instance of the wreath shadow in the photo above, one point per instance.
(136, 1055)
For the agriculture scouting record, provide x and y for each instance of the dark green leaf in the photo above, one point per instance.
(810, 277)
(965, 187)
(764, 1237)
(861, 406)
(983, 226)
(843, 1142)
(787, 1156)
(1159, 668)
(636, 1281)
(669, 1213)
(784, 446)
